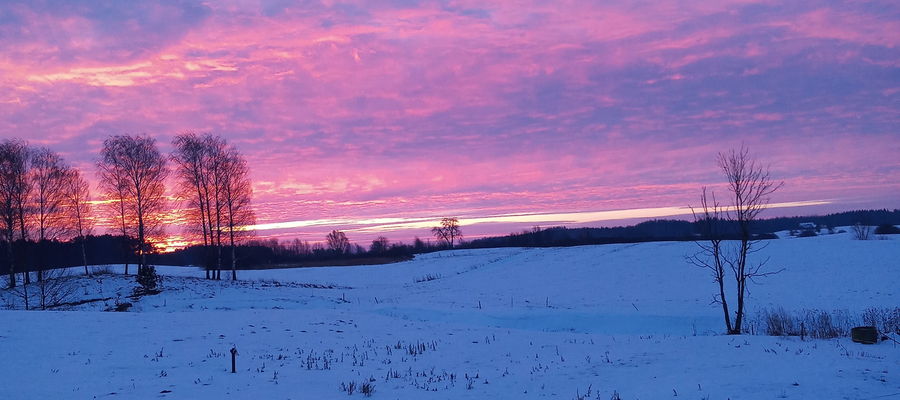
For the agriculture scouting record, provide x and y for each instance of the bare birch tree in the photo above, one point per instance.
(14, 189)
(191, 157)
(710, 255)
(47, 175)
(237, 193)
(114, 187)
(202, 168)
(216, 175)
(140, 169)
(749, 187)
(77, 209)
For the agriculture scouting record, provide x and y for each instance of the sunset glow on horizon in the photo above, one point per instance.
(381, 117)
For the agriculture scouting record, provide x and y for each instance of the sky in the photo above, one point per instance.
(381, 116)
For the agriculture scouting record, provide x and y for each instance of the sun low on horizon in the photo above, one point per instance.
(381, 117)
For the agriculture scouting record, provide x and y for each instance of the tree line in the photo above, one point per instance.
(679, 230)
(45, 202)
(336, 248)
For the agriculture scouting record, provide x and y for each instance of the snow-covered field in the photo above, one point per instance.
(632, 320)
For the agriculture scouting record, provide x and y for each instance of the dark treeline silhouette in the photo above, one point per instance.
(676, 230)
(271, 253)
(847, 218)
(99, 250)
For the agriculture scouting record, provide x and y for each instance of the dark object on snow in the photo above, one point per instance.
(233, 356)
(864, 334)
(122, 307)
(887, 229)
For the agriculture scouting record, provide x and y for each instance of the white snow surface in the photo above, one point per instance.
(513, 323)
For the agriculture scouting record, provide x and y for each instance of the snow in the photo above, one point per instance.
(632, 319)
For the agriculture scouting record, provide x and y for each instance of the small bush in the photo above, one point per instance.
(885, 319)
(147, 278)
(367, 388)
(778, 322)
(348, 387)
(862, 232)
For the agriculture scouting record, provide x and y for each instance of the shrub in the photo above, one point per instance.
(861, 232)
(820, 324)
(348, 387)
(147, 278)
(887, 229)
(367, 388)
(778, 322)
(885, 319)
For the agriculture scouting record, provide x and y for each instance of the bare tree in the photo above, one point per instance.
(213, 178)
(379, 245)
(55, 289)
(237, 193)
(710, 255)
(448, 232)
(338, 242)
(749, 187)
(114, 187)
(14, 190)
(141, 170)
(77, 210)
(191, 159)
(47, 176)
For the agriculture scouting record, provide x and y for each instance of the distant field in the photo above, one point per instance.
(341, 262)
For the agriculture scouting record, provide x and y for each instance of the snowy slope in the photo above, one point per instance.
(634, 319)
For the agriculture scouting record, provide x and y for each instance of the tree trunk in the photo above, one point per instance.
(233, 257)
(203, 229)
(721, 280)
(219, 258)
(84, 256)
(24, 247)
(142, 263)
(12, 264)
(25, 294)
(125, 247)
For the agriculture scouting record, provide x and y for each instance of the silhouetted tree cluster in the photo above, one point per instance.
(45, 204)
(37, 207)
(214, 184)
(887, 229)
(269, 253)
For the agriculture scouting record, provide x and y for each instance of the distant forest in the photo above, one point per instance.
(271, 253)
(678, 230)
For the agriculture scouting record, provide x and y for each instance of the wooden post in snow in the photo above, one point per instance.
(233, 360)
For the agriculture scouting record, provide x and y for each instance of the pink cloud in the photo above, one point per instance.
(421, 110)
